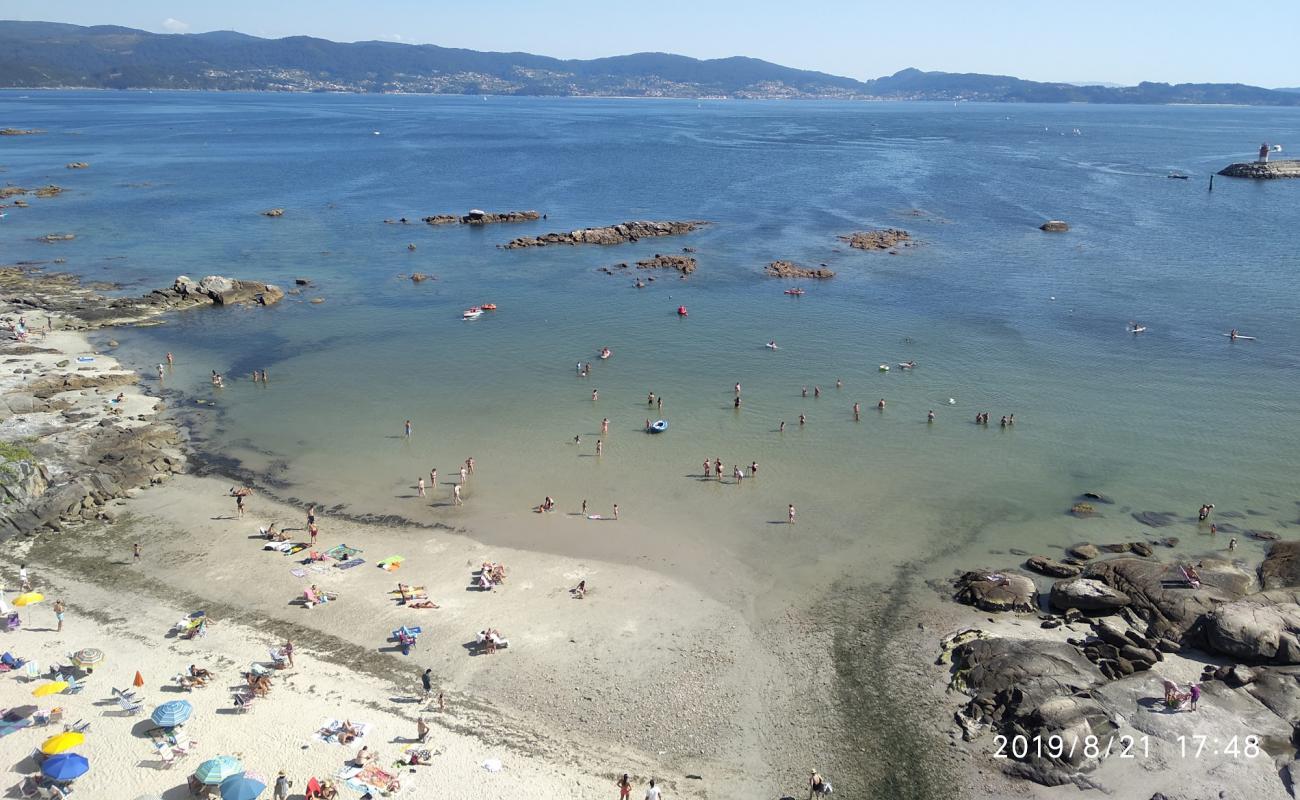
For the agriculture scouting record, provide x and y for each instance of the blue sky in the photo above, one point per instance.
(1095, 40)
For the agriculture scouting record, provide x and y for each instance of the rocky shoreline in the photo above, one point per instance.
(478, 217)
(788, 269)
(1082, 658)
(1263, 170)
(610, 234)
(80, 434)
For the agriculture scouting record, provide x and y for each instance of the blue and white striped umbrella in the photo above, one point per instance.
(172, 713)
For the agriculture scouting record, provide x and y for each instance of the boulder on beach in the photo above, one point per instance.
(1055, 226)
(1051, 567)
(1161, 597)
(1264, 627)
(997, 591)
(1087, 594)
(1084, 552)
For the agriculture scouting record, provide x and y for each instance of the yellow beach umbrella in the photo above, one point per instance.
(27, 598)
(62, 742)
(54, 687)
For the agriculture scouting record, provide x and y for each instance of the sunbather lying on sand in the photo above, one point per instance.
(422, 604)
(199, 672)
(408, 593)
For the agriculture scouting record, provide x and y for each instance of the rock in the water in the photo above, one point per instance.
(1095, 497)
(273, 212)
(1264, 627)
(612, 234)
(882, 239)
(683, 264)
(78, 165)
(442, 219)
(1087, 594)
(1054, 226)
(58, 237)
(1052, 568)
(1083, 510)
(1084, 552)
(788, 269)
(1141, 548)
(1156, 519)
(479, 217)
(997, 591)
(1266, 170)
(1281, 567)
(1263, 536)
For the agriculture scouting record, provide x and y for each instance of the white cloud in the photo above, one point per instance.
(173, 25)
(393, 37)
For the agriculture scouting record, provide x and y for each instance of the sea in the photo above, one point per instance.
(999, 317)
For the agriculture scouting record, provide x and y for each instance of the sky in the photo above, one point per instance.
(1087, 40)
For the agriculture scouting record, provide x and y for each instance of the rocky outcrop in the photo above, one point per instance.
(49, 190)
(1281, 567)
(20, 131)
(997, 591)
(437, 219)
(1055, 226)
(788, 269)
(882, 239)
(1052, 568)
(1087, 594)
(50, 238)
(477, 217)
(273, 212)
(1286, 168)
(222, 291)
(78, 165)
(683, 264)
(612, 234)
(1084, 552)
(1263, 627)
(1162, 599)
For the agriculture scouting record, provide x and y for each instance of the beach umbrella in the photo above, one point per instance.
(61, 742)
(244, 786)
(139, 680)
(46, 689)
(28, 598)
(172, 713)
(65, 767)
(88, 657)
(216, 770)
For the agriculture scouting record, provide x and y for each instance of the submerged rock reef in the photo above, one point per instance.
(611, 234)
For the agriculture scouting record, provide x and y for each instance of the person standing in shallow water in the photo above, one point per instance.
(455, 495)
(790, 516)
(407, 429)
(857, 412)
(604, 427)
(419, 487)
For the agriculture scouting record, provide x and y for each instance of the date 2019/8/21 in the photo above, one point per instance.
(1101, 747)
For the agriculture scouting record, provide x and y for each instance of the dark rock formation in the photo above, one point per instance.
(49, 190)
(683, 264)
(440, 219)
(1054, 569)
(1281, 567)
(1156, 519)
(220, 291)
(612, 234)
(78, 165)
(1162, 599)
(58, 237)
(273, 212)
(1286, 168)
(477, 217)
(788, 269)
(997, 591)
(1084, 552)
(882, 239)
(20, 131)
(1054, 226)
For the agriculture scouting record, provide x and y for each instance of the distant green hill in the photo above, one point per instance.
(47, 54)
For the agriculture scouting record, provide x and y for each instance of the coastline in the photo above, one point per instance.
(646, 674)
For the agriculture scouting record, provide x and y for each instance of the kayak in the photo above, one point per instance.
(659, 426)
(1239, 336)
(471, 313)
(795, 292)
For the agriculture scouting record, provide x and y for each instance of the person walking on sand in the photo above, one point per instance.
(816, 785)
(313, 532)
(1194, 692)
(282, 784)
(708, 468)
(288, 651)
(59, 609)
(421, 730)
(407, 429)
(652, 792)
(239, 505)
(24, 582)
(790, 516)
(624, 787)
(426, 681)
(135, 552)
(419, 487)
(433, 480)
(469, 465)
(584, 506)
(455, 495)
(464, 474)
(600, 447)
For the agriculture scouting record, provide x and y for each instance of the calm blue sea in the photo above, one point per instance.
(999, 316)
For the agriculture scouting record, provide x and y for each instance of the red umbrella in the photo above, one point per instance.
(139, 680)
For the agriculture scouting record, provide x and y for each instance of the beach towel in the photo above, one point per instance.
(334, 724)
(298, 573)
(392, 560)
(374, 776)
(7, 728)
(297, 548)
(341, 552)
(356, 562)
(320, 569)
(283, 547)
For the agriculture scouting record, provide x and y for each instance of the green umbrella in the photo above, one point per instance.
(216, 770)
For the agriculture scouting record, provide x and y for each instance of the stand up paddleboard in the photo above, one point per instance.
(1239, 336)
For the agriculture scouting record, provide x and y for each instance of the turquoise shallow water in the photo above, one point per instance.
(1164, 421)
